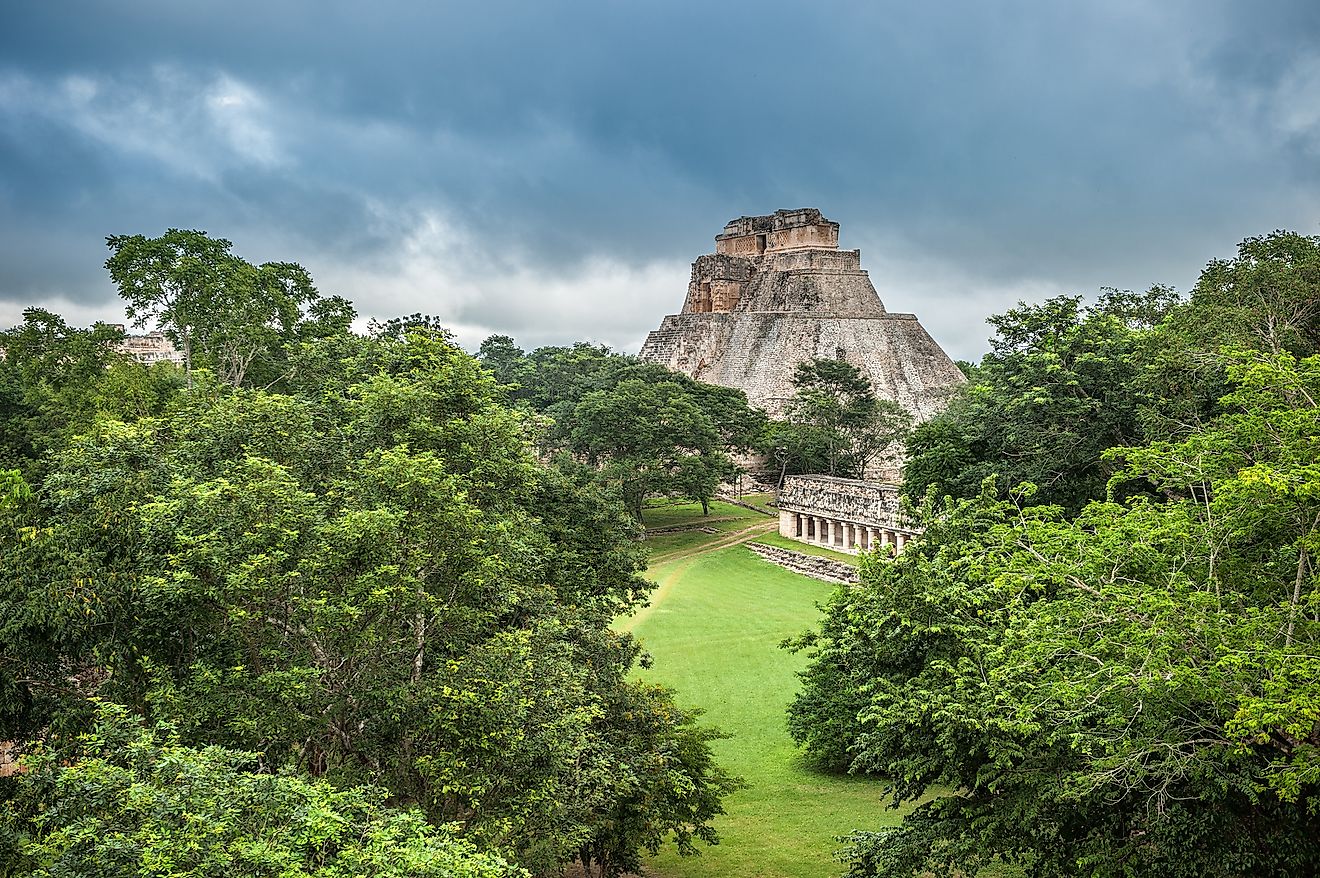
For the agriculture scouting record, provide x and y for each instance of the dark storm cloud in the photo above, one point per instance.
(549, 169)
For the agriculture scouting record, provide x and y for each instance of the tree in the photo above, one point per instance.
(133, 801)
(644, 429)
(50, 376)
(796, 448)
(1266, 298)
(1130, 690)
(171, 281)
(504, 359)
(369, 579)
(1060, 385)
(649, 439)
(836, 411)
(218, 309)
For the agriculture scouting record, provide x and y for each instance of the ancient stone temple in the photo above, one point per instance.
(778, 291)
(846, 515)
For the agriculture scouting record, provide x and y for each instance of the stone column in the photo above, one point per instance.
(829, 530)
(787, 523)
(869, 534)
(901, 541)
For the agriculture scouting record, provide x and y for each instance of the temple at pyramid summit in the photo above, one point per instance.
(778, 291)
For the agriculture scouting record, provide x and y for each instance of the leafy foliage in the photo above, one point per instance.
(835, 423)
(1129, 691)
(220, 310)
(368, 578)
(54, 381)
(1059, 386)
(131, 801)
(646, 430)
(1266, 298)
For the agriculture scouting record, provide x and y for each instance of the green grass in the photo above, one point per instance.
(668, 543)
(761, 500)
(724, 517)
(714, 629)
(672, 514)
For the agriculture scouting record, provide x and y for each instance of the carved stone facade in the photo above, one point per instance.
(153, 347)
(778, 291)
(846, 515)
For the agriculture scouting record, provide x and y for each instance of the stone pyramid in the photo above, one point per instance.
(778, 291)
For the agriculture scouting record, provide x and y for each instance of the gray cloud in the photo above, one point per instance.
(548, 170)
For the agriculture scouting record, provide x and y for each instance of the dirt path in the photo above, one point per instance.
(679, 561)
(719, 542)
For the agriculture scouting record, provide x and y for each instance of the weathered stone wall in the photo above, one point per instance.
(826, 569)
(744, 245)
(757, 352)
(785, 229)
(812, 281)
(753, 314)
(153, 347)
(717, 283)
(867, 503)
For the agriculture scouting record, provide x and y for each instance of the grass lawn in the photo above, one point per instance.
(724, 517)
(672, 514)
(714, 630)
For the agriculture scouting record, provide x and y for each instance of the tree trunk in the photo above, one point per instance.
(187, 356)
(419, 656)
(1296, 596)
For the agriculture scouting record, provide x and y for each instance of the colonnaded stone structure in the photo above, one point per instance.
(846, 515)
(153, 347)
(778, 291)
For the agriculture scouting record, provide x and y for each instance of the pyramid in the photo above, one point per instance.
(777, 292)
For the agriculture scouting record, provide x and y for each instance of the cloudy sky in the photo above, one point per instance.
(549, 170)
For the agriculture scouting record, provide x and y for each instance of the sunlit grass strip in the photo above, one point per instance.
(714, 634)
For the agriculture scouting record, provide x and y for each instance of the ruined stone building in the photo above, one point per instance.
(846, 515)
(153, 347)
(778, 291)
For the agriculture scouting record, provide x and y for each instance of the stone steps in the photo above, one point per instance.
(661, 345)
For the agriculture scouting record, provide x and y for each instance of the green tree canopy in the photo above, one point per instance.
(220, 310)
(644, 429)
(56, 380)
(1060, 385)
(835, 422)
(370, 578)
(1127, 691)
(131, 802)
(649, 438)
